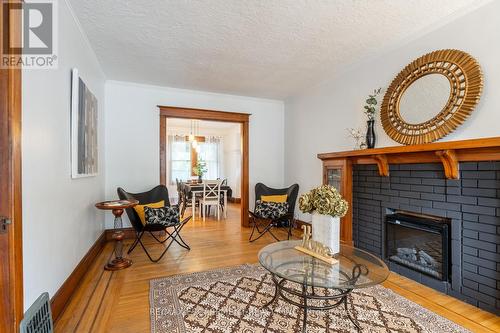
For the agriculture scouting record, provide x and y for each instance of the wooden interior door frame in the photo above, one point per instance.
(11, 249)
(212, 115)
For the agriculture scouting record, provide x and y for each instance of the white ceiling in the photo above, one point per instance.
(264, 48)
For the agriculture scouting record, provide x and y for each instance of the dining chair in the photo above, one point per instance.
(211, 197)
(223, 183)
(179, 192)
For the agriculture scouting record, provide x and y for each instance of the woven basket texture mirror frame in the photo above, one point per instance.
(466, 84)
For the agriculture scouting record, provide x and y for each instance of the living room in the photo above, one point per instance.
(226, 118)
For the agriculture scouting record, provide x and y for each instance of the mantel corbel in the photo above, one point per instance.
(382, 164)
(450, 163)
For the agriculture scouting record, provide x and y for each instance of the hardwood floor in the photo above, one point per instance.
(119, 301)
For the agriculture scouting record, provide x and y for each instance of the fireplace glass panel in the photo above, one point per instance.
(418, 249)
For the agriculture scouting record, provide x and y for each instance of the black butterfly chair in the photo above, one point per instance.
(287, 220)
(158, 193)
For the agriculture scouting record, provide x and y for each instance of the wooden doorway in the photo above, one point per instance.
(11, 258)
(211, 115)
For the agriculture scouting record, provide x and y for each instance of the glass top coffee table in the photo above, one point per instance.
(312, 284)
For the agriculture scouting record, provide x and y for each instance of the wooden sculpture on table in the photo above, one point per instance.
(314, 248)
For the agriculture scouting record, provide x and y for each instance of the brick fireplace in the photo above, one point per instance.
(471, 204)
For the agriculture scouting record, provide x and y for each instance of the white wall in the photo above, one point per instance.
(316, 120)
(60, 222)
(232, 160)
(132, 133)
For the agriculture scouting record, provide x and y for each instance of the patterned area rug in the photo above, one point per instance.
(232, 299)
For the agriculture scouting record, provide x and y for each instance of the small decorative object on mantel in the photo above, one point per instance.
(357, 136)
(327, 207)
(370, 110)
(314, 248)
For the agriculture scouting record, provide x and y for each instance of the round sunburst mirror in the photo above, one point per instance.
(431, 97)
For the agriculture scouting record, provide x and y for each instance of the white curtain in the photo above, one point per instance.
(212, 152)
(178, 159)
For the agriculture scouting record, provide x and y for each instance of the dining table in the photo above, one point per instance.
(191, 190)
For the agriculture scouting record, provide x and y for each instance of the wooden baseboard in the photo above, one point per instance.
(234, 200)
(61, 297)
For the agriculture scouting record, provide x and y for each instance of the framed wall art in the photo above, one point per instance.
(84, 128)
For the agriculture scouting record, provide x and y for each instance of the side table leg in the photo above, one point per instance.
(118, 262)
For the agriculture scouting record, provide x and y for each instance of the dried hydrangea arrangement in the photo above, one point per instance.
(324, 200)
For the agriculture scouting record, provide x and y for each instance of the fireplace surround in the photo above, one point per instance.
(471, 204)
(459, 180)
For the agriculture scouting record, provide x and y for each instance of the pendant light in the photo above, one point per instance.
(191, 135)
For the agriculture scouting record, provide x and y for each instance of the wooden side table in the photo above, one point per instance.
(117, 207)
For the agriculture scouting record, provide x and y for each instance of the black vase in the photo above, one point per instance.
(370, 134)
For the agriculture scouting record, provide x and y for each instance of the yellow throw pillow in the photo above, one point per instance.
(274, 198)
(139, 209)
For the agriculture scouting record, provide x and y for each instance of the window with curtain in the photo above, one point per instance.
(180, 151)
(179, 158)
(211, 152)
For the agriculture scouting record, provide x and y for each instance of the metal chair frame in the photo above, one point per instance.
(171, 235)
(268, 228)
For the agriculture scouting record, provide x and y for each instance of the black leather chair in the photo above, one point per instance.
(158, 193)
(268, 224)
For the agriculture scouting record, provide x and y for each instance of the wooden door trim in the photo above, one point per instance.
(203, 114)
(10, 105)
(212, 115)
(163, 150)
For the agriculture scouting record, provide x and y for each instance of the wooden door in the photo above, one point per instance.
(338, 173)
(11, 277)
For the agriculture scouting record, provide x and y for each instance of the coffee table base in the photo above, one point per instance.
(338, 299)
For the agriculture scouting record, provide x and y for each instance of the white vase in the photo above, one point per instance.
(326, 230)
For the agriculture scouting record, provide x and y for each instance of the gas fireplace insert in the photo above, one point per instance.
(419, 242)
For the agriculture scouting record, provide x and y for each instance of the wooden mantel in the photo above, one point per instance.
(337, 167)
(448, 153)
